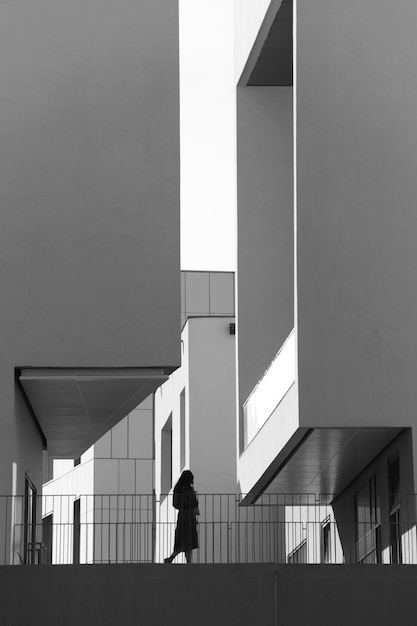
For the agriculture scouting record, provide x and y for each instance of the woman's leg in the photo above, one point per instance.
(169, 559)
(189, 556)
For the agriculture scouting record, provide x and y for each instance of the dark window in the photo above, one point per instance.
(326, 541)
(394, 509)
(29, 531)
(166, 457)
(368, 523)
(76, 532)
(47, 533)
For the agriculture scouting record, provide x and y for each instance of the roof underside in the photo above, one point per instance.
(75, 407)
(328, 459)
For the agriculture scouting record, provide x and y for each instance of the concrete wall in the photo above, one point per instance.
(21, 440)
(21, 445)
(357, 223)
(207, 294)
(207, 376)
(89, 165)
(89, 192)
(21, 456)
(204, 438)
(265, 228)
(222, 595)
(212, 400)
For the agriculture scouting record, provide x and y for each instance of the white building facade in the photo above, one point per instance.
(114, 504)
(326, 135)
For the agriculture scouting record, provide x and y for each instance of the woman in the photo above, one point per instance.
(185, 500)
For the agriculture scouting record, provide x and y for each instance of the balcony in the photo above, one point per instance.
(270, 422)
(270, 390)
(287, 449)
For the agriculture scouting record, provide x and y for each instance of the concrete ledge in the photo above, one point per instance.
(208, 595)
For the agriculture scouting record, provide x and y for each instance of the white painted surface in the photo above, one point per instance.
(269, 441)
(58, 497)
(167, 401)
(207, 379)
(207, 376)
(271, 389)
(356, 222)
(212, 404)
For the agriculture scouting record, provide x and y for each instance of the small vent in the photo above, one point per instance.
(232, 328)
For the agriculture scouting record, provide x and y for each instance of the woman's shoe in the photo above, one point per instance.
(168, 560)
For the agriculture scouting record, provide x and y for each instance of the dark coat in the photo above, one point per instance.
(186, 537)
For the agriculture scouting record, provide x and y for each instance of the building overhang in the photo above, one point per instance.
(321, 460)
(74, 407)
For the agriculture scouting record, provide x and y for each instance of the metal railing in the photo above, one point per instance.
(278, 528)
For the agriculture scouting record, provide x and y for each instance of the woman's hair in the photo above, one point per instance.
(185, 480)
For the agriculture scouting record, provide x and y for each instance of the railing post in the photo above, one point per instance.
(153, 521)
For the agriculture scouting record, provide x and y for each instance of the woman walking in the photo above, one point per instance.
(185, 500)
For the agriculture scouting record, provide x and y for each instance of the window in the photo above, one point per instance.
(394, 509)
(182, 429)
(326, 541)
(76, 532)
(368, 523)
(166, 457)
(47, 534)
(29, 531)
